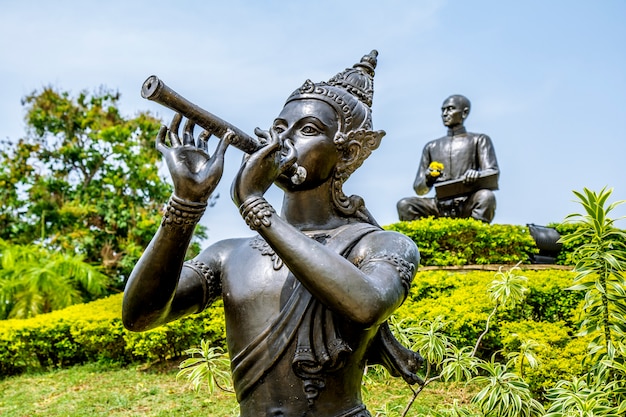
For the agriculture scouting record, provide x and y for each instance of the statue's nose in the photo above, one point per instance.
(285, 134)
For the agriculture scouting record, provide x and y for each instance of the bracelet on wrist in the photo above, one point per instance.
(182, 213)
(256, 212)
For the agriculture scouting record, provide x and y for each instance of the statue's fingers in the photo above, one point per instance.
(291, 155)
(203, 140)
(173, 132)
(223, 144)
(274, 135)
(269, 144)
(264, 136)
(160, 139)
(188, 133)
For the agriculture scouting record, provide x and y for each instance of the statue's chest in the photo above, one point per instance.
(256, 280)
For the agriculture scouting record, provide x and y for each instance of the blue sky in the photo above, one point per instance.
(547, 80)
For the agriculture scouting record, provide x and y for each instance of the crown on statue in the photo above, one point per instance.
(350, 93)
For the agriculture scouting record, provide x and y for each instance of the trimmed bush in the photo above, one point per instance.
(461, 299)
(445, 241)
(560, 355)
(94, 332)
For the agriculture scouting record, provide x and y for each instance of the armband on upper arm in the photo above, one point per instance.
(211, 285)
(405, 269)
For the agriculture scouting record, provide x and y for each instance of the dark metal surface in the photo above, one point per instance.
(469, 164)
(306, 299)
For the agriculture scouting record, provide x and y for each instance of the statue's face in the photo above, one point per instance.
(311, 125)
(453, 113)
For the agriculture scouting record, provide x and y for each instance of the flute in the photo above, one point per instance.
(156, 90)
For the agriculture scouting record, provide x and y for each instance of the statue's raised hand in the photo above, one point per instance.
(259, 171)
(194, 172)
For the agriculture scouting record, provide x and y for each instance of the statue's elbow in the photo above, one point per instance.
(372, 320)
(131, 322)
(365, 321)
(130, 326)
(137, 325)
(421, 189)
(375, 314)
(135, 319)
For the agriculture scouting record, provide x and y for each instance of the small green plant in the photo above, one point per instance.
(387, 410)
(600, 262)
(504, 393)
(209, 366)
(579, 398)
(507, 289)
(456, 410)
(525, 355)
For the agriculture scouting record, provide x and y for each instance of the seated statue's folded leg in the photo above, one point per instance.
(412, 208)
(481, 206)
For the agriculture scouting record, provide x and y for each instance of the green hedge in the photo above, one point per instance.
(94, 332)
(461, 298)
(549, 316)
(446, 241)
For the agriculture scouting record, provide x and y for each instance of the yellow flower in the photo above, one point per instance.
(436, 169)
(436, 166)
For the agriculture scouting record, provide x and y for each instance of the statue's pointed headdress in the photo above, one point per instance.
(350, 93)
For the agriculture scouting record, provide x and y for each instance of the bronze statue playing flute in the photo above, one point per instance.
(306, 300)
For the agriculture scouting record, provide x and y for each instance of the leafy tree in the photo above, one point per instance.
(84, 180)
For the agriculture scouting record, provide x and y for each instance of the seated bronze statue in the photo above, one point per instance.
(462, 167)
(306, 300)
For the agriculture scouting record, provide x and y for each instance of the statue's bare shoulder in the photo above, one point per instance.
(219, 252)
(390, 248)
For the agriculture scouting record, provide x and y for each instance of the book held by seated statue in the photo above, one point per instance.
(457, 188)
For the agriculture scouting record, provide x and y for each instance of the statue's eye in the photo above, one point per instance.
(279, 129)
(310, 130)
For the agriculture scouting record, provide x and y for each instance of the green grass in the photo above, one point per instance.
(96, 390)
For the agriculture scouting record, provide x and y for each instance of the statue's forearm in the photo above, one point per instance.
(152, 284)
(420, 185)
(330, 277)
